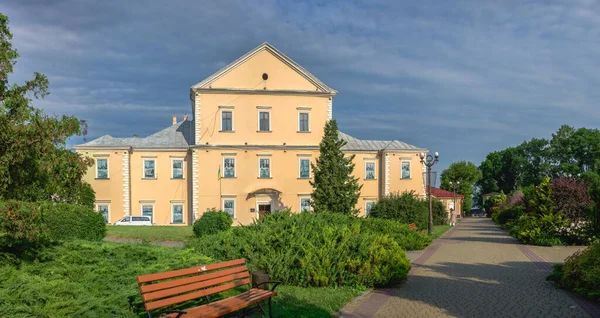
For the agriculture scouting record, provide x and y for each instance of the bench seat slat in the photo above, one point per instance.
(195, 286)
(229, 305)
(195, 295)
(189, 271)
(189, 280)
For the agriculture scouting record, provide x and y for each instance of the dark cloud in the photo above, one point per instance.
(462, 78)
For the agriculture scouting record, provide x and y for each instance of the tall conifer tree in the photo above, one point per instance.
(334, 187)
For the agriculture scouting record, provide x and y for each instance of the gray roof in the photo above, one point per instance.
(180, 135)
(373, 145)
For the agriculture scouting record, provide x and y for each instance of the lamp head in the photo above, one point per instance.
(422, 155)
(436, 155)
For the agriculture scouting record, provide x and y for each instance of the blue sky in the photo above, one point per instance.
(463, 78)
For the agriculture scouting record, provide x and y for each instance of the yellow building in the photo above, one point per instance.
(257, 127)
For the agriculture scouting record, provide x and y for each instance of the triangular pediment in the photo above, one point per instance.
(248, 73)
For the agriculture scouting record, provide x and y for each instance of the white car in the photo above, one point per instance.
(135, 220)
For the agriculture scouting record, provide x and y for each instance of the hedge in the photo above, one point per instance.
(317, 249)
(212, 222)
(581, 272)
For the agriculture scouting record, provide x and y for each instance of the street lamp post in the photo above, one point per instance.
(454, 186)
(429, 161)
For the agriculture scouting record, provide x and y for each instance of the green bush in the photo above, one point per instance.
(538, 230)
(581, 272)
(22, 230)
(405, 237)
(315, 249)
(212, 222)
(507, 213)
(70, 222)
(408, 207)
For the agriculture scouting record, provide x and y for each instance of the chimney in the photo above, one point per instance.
(184, 117)
(174, 120)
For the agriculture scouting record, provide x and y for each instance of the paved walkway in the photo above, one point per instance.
(476, 270)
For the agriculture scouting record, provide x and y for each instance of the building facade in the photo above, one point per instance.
(450, 200)
(256, 129)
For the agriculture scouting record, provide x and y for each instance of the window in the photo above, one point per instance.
(303, 122)
(147, 210)
(229, 167)
(405, 170)
(103, 209)
(126, 219)
(177, 210)
(149, 169)
(368, 206)
(101, 168)
(305, 168)
(264, 167)
(177, 168)
(226, 120)
(305, 204)
(264, 121)
(229, 207)
(369, 170)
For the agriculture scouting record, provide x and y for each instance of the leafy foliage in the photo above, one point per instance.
(571, 198)
(334, 187)
(407, 207)
(318, 249)
(507, 213)
(212, 222)
(467, 174)
(538, 229)
(540, 201)
(34, 164)
(581, 272)
(26, 228)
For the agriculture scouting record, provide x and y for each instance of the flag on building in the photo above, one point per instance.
(219, 173)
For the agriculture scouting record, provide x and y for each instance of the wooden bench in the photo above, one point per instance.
(412, 226)
(170, 288)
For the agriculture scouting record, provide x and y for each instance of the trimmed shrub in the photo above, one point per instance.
(212, 222)
(315, 249)
(507, 213)
(581, 272)
(408, 207)
(22, 230)
(538, 230)
(70, 222)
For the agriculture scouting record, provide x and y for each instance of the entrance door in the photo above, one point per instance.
(263, 209)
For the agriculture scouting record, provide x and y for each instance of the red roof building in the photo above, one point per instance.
(448, 199)
(439, 193)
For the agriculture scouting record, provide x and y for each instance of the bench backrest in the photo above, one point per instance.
(170, 288)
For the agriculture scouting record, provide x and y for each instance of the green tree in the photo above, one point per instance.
(334, 187)
(34, 162)
(467, 174)
(540, 199)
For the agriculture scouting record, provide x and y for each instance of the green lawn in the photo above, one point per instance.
(98, 279)
(438, 230)
(151, 233)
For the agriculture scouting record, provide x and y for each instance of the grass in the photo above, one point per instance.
(98, 279)
(438, 230)
(151, 233)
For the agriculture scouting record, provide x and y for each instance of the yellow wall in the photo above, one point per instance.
(161, 190)
(284, 173)
(249, 75)
(283, 113)
(370, 188)
(415, 183)
(108, 191)
(447, 204)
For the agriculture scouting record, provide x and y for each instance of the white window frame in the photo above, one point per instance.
(234, 167)
(142, 205)
(108, 207)
(374, 170)
(270, 167)
(263, 110)
(144, 168)
(300, 168)
(173, 212)
(172, 170)
(409, 169)
(304, 112)
(232, 118)
(107, 168)
(309, 207)
(367, 204)
(234, 206)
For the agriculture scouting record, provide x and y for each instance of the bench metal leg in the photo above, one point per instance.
(270, 311)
